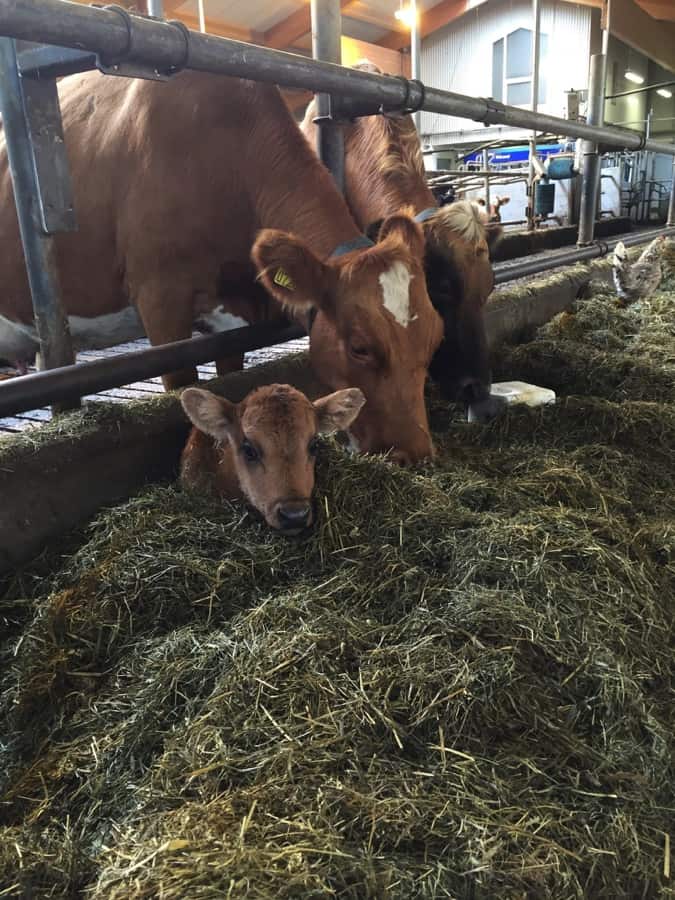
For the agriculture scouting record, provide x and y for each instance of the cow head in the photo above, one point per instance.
(269, 441)
(374, 328)
(460, 280)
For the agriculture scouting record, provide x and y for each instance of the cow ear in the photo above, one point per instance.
(403, 229)
(289, 270)
(213, 415)
(337, 411)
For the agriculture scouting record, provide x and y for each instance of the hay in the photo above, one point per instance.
(458, 686)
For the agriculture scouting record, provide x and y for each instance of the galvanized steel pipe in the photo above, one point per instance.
(511, 271)
(163, 46)
(592, 161)
(71, 382)
(326, 18)
(39, 250)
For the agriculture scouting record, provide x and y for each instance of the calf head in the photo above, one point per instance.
(374, 327)
(460, 280)
(269, 444)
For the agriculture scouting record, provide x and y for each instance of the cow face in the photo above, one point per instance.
(375, 328)
(269, 442)
(460, 280)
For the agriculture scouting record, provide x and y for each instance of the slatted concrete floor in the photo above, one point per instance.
(141, 389)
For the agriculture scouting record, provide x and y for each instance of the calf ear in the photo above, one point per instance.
(403, 230)
(337, 411)
(211, 414)
(291, 273)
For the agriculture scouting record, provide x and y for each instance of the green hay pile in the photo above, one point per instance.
(458, 686)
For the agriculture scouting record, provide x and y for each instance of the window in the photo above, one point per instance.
(512, 70)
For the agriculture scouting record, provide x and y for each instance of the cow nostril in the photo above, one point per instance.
(473, 389)
(294, 514)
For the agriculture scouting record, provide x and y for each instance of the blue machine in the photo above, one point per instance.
(508, 156)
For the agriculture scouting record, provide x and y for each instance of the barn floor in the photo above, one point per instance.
(458, 686)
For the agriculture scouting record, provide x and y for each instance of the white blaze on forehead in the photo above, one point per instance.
(396, 293)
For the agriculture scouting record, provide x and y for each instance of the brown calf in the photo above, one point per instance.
(172, 184)
(263, 449)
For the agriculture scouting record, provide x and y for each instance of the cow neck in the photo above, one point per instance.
(316, 212)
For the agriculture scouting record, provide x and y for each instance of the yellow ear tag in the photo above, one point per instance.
(284, 280)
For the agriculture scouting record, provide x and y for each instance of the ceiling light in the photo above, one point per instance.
(664, 92)
(405, 15)
(634, 77)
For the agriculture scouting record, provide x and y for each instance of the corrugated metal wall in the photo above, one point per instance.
(459, 57)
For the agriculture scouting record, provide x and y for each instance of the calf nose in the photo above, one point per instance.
(294, 514)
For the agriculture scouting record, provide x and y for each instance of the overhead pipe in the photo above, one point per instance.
(165, 47)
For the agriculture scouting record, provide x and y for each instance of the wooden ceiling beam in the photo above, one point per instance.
(285, 33)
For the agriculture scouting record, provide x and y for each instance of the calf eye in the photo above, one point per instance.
(251, 455)
(313, 446)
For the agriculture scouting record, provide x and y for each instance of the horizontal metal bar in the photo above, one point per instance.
(163, 46)
(640, 90)
(479, 173)
(28, 392)
(511, 271)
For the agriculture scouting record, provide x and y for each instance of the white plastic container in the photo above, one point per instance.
(519, 392)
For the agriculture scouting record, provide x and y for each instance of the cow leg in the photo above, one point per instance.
(167, 315)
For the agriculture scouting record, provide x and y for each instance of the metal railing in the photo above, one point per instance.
(127, 45)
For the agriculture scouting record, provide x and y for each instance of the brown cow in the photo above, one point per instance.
(384, 172)
(263, 449)
(172, 184)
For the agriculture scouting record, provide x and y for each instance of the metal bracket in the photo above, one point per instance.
(42, 112)
(343, 110)
(494, 109)
(127, 68)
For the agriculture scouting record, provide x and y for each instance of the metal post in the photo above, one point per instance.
(415, 53)
(51, 322)
(486, 163)
(326, 38)
(671, 204)
(202, 16)
(536, 28)
(156, 8)
(592, 160)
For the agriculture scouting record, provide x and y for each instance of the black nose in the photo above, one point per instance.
(474, 390)
(294, 514)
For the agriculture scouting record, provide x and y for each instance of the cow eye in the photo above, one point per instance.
(360, 352)
(313, 446)
(251, 454)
